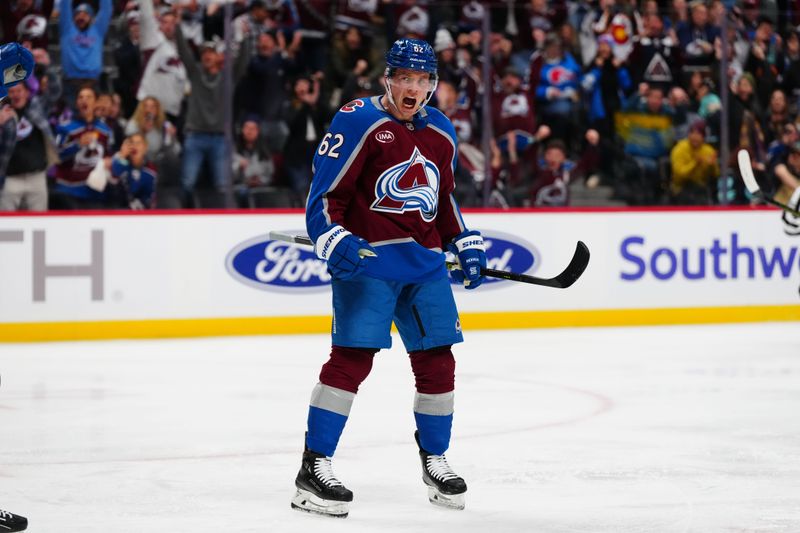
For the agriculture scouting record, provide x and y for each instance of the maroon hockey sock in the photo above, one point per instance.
(347, 368)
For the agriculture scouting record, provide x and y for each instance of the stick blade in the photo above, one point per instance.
(576, 267)
(746, 170)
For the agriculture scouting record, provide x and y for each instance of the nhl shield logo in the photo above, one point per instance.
(412, 185)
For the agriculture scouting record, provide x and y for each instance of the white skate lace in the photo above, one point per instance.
(439, 469)
(323, 469)
(5, 514)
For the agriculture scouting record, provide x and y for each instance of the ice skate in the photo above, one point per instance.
(318, 490)
(10, 522)
(445, 487)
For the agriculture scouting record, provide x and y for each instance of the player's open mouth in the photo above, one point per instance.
(409, 103)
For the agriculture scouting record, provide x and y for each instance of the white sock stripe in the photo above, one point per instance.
(332, 399)
(328, 241)
(434, 404)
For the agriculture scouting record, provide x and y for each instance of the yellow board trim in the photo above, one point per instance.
(213, 327)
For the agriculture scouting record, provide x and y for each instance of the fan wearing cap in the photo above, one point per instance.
(12, 15)
(82, 36)
(381, 211)
(694, 166)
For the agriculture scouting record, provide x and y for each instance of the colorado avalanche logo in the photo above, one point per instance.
(412, 185)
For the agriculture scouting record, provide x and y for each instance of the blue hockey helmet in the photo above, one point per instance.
(413, 54)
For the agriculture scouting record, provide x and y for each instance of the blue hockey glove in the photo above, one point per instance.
(16, 64)
(471, 253)
(340, 249)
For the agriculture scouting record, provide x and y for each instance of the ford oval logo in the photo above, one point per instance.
(509, 253)
(274, 265)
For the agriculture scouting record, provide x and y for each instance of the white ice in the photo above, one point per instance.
(652, 429)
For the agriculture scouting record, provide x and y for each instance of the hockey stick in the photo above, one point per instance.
(576, 266)
(746, 170)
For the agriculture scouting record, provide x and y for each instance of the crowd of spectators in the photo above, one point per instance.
(126, 108)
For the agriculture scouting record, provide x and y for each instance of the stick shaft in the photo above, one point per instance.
(570, 275)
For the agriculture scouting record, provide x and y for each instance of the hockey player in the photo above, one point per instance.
(381, 211)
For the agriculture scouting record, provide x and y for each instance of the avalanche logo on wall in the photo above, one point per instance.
(276, 265)
(412, 185)
(506, 252)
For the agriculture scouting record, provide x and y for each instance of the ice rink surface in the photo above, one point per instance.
(651, 429)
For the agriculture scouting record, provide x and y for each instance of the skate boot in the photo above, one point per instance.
(445, 488)
(10, 522)
(318, 490)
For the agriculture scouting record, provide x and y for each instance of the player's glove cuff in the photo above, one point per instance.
(328, 241)
(791, 223)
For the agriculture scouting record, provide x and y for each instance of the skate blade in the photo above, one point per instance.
(450, 501)
(305, 501)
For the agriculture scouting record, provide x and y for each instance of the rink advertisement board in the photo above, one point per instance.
(178, 274)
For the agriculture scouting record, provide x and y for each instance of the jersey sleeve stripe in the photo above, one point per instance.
(457, 213)
(450, 140)
(346, 167)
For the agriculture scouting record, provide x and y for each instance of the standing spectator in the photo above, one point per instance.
(83, 142)
(252, 163)
(694, 168)
(745, 119)
(765, 61)
(621, 21)
(361, 13)
(315, 24)
(697, 38)
(164, 73)
(557, 91)
(27, 149)
(82, 36)
(267, 73)
(606, 83)
(655, 59)
(12, 12)
(306, 117)
(791, 71)
(205, 118)
(133, 177)
(128, 59)
(252, 23)
(353, 54)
